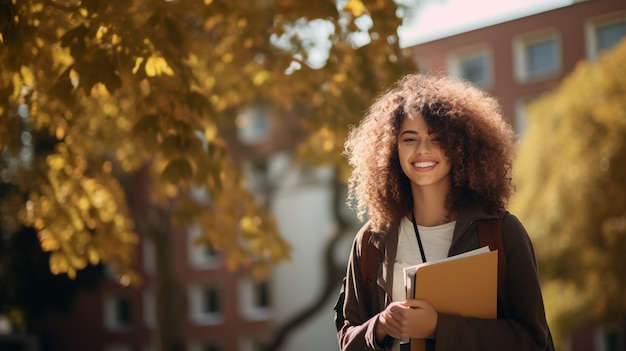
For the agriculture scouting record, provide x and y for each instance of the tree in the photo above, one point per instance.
(93, 91)
(570, 173)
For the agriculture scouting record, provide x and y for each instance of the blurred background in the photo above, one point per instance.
(172, 178)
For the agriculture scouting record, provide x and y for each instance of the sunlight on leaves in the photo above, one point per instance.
(113, 92)
(155, 66)
(138, 62)
(355, 7)
(261, 77)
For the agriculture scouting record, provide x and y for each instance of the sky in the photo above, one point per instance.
(440, 18)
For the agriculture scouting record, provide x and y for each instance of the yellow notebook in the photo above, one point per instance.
(465, 285)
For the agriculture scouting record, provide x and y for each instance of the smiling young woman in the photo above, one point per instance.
(431, 159)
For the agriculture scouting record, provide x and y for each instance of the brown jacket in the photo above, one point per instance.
(524, 328)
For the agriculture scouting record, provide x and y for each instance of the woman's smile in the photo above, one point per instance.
(424, 165)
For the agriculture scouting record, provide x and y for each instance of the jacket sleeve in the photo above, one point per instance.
(354, 319)
(525, 326)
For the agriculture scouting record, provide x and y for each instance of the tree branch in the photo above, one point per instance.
(333, 275)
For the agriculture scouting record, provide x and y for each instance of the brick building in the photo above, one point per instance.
(213, 309)
(518, 60)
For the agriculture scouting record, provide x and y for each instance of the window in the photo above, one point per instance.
(117, 313)
(206, 304)
(610, 34)
(210, 301)
(201, 253)
(537, 57)
(262, 294)
(541, 57)
(609, 338)
(473, 64)
(604, 33)
(254, 298)
(474, 69)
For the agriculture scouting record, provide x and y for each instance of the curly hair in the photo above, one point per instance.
(474, 136)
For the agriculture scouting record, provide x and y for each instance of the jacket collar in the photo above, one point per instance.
(387, 244)
(467, 216)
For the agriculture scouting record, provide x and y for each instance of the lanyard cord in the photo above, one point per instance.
(417, 235)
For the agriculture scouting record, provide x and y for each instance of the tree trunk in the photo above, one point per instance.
(169, 296)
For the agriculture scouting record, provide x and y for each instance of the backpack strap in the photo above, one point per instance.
(370, 256)
(490, 234)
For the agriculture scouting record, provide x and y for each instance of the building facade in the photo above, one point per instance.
(519, 60)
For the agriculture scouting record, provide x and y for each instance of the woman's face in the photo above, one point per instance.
(421, 156)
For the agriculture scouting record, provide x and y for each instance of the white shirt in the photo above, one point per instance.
(436, 242)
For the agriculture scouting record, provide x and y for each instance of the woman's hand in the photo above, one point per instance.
(416, 319)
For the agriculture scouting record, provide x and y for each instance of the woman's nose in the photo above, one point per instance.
(423, 147)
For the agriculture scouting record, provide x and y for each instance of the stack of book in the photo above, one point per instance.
(465, 285)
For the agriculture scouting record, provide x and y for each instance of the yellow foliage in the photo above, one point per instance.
(101, 32)
(93, 256)
(250, 225)
(570, 179)
(260, 77)
(138, 62)
(56, 162)
(355, 7)
(83, 76)
(58, 263)
(155, 66)
(261, 271)
(210, 132)
(27, 75)
(228, 57)
(48, 241)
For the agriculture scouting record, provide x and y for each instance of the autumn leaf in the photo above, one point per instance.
(155, 66)
(177, 170)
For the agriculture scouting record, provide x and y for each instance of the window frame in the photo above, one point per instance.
(200, 255)
(591, 31)
(456, 58)
(197, 313)
(112, 320)
(249, 293)
(522, 42)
